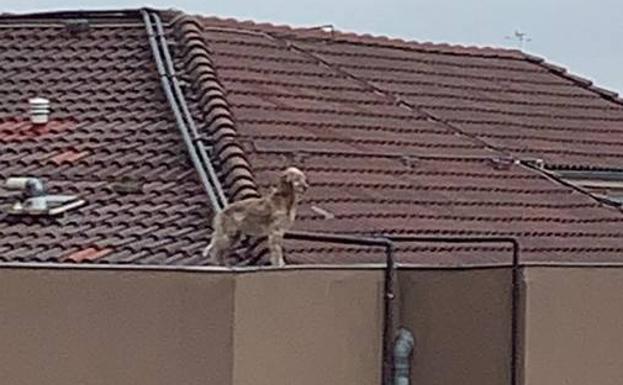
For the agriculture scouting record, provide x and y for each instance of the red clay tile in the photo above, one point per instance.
(16, 130)
(69, 156)
(86, 255)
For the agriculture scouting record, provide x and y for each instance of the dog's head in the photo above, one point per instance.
(294, 180)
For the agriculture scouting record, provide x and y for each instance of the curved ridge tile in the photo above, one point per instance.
(235, 168)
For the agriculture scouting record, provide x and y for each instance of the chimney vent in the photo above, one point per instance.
(39, 110)
(36, 201)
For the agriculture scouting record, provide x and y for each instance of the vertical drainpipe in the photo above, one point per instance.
(403, 350)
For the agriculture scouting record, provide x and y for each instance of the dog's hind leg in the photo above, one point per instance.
(221, 241)
(218, 247)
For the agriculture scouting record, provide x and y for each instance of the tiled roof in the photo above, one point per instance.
(110, 122)
(396, 137)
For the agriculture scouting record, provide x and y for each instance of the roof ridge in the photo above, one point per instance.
(196, 54)
(68, 13)
(318, 33)
(578, 80)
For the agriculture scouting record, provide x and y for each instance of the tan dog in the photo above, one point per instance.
(271, 215)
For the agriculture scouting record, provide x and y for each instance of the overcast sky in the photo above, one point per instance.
(583, 36)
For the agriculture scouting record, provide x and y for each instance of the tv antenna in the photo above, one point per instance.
(520, 37)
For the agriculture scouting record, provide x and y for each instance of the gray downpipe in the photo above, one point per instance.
(403, 350)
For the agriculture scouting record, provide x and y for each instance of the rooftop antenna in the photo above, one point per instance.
(520, 38)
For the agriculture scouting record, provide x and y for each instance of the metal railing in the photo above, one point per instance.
(388, 242)
(515, 280)
(388, 284)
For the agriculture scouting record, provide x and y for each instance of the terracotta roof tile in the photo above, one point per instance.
(89, 254)
(107, 102)
(332, 104)
(396, 137)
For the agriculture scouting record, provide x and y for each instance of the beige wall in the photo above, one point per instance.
(100, 326)
(308, 328)
(294, 326)
(462, 324)
(88, 327)
(574, 326)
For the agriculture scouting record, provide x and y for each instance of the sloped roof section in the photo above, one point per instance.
(402, 137)
(516, 102)
(396, 137)
(111, 140)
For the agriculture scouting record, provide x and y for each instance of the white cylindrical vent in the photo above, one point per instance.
(39, 110)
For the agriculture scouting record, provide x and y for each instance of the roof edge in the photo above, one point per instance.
(337, 36)
(68, 14)
(236, 169)
(318, 33)
(578, 80)
(313, 32)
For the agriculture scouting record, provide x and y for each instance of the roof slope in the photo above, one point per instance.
(396, 137)
(401, 137)
(110, 125)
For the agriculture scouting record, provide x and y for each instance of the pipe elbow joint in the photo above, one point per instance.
(405, 342)
(403, 349)
(32, 186)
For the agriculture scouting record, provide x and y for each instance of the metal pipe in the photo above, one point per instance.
(166, 86)
(610, 176)
(337, 238)
(388, 241)
(515, 280)
(403, 349)
(197, 138)
(388, 312)
(34, 191)
(388, 285)
(33, 186)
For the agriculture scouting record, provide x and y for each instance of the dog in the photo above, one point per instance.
(271, 215)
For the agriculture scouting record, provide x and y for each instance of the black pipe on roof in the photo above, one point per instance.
(608, 176)
(185, 123)
(196, 137)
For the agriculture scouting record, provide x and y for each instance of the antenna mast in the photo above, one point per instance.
(520, 37)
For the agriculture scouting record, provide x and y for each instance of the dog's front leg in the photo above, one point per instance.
(276, 252)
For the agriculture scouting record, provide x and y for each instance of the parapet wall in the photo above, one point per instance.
(303, 326)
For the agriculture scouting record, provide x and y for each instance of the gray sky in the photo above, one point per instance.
(581, 35)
